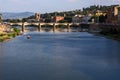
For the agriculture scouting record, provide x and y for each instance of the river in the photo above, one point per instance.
(60, 56)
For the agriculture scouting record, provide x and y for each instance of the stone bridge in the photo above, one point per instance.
(68, 26)
(89, 27)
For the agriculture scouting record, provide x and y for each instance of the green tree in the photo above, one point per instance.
(24, 20)
(102, 18)
(47, 20)
(68, 19)
(0, 17)
(17, 31)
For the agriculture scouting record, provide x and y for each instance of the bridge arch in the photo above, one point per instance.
(47, 27)
(67, 26)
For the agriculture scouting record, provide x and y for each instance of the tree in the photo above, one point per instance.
(47, 20)
(0, 17)
(102, 18)
(17, 31)
(68, 19)
(24, 20)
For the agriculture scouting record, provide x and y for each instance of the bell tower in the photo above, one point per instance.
(37, 16)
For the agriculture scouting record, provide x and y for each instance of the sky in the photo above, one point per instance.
(46, 6)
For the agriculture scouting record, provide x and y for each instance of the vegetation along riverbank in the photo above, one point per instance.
(9, 35)
(111, 34)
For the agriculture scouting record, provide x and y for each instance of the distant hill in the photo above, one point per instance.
(11, 15)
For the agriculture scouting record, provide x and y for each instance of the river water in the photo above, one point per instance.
(60, 56)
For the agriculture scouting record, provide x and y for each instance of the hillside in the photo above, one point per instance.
(11, 15)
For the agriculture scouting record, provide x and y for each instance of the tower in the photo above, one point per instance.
(37, 16)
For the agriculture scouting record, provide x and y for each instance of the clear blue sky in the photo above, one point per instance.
(44, 6)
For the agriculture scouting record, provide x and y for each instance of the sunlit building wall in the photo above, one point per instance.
(113, 15)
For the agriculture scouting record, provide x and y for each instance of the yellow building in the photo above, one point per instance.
(116, 10)
(99, 13)
(119, 15)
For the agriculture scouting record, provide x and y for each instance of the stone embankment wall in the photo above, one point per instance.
(106, 28)
(110, 28)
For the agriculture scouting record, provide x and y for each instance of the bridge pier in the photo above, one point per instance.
(23, 27)
(54, 27)
(39, 27)
(68, 28)
(89, 27)
(79, 29)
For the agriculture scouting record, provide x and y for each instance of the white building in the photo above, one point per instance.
(77, 18)
(86, 19)
(81, 18)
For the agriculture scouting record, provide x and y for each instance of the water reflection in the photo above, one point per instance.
(60, 56)
(1, 50)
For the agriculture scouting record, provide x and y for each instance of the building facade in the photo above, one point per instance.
(37, 16)
(77, 19)
(81, 18)
(58, 18)
(113, 15)
(119, 15)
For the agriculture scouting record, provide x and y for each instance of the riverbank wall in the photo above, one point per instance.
(110, 31)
